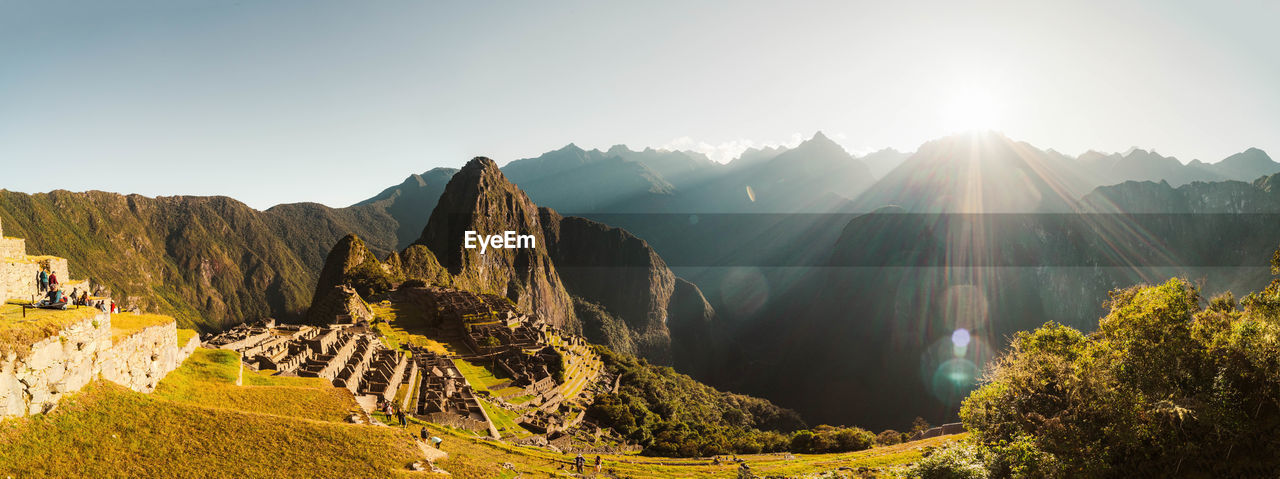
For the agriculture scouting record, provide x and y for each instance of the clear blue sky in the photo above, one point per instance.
(284, 101)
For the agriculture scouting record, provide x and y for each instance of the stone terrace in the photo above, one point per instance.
(46, 354)
(356, 361)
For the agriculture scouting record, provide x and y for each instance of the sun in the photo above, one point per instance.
(971, 108)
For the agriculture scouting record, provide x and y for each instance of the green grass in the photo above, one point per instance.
(504, 420)
(208, 377)
(124, 325)
(185, 335)
(17, 333)
(106, 430)
(480, 377)
(470, 456)
(404, 323)
(520, 399)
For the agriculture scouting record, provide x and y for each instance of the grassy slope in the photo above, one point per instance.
(18, 333)
(208, 379)
(470, 456)
(124, 325)
(198, 423)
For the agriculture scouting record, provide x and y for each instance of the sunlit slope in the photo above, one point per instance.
(199, 423)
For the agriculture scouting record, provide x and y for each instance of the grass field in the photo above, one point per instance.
(199, 424)
(470, 456)
(208, 379)
(18, 333)
(124, 325)
(403, 323)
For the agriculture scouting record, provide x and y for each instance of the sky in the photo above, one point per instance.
(327, 101)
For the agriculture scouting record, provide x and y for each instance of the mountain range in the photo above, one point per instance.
(782, 295)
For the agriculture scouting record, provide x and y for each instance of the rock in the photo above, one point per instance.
(349, 270)
(479, 198)
(621, 272)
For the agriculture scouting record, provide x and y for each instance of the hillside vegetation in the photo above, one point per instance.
(1167, 386)
(209, 261)
(198, 423)
(674, 415)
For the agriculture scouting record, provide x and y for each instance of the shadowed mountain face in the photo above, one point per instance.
(480, 199)
(410, 203)
(580, 275)
(979, 173)
(910, 307)
(816, 176)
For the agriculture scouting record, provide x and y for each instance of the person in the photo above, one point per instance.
(84, 298)
(422, 433)
(436, 441)
(53, 280)
(598, 462)
(580, 462)
(400, 416)
(44, 280)
(114, 309)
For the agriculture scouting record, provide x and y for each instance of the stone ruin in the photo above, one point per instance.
(487, 323)
(34, 378)
(356, 361)
(444, 396)
(18, 271)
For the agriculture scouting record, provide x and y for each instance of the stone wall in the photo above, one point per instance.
(13, 247)
(33, 383)
(54, 366)
(18, 275)
(139, 361)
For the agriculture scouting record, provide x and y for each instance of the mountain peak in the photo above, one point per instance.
(481, 163)
(572, 147)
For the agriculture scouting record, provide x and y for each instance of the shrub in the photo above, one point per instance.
(959, 460)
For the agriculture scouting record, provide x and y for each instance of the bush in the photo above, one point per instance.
(959, 460)
(414, 283)
(888, 437)
(1163, 388)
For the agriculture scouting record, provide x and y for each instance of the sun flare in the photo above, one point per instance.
(971, 108)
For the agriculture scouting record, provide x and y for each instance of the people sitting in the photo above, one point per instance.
(54, 300)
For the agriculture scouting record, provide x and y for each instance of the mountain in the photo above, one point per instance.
(911, 305)
(612, 268)
(210, 261)
(983, 172)
(410, 203)
(1246, 165)
(1142, 165)
(481, 200)
(616, 180)
(579, 274)
(818, 175)
(881, 162)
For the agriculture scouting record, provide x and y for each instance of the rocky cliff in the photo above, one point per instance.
(610, 267)
(479, 198)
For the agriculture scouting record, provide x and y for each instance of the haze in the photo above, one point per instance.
(273, 102)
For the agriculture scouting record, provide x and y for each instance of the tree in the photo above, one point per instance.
(919, 426)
